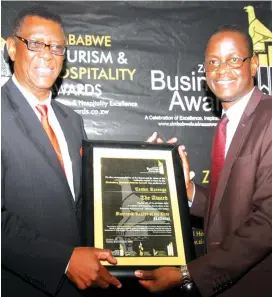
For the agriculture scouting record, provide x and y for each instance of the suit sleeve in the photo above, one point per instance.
(250, 243)
(28, 254)
(199, 204)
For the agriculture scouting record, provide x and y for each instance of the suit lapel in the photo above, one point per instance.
(236, 142)
(69, 134)
(30, 125)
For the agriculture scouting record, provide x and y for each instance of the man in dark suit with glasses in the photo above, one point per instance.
(41, 169)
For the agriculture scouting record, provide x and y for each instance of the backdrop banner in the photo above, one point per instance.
(133, 68)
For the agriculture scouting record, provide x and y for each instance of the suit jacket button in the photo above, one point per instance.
(214, 243)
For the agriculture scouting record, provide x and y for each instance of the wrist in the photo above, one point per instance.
(186, 279)
(190, 190)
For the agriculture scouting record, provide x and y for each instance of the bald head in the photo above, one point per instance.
(232, 28)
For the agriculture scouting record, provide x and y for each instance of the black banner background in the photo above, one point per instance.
(149, 74)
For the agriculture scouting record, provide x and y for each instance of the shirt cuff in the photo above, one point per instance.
(67, 267)
(193, 196)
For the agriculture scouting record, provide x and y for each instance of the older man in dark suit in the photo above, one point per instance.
(237, 210)
(41, 168)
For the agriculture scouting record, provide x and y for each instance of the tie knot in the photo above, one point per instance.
(42, 109)
(224, 120)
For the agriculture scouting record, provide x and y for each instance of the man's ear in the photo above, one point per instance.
(11, 47)
(254, 64)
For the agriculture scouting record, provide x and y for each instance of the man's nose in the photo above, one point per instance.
(223, 67)
(46, 52)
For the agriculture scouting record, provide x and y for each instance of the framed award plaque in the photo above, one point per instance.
(135, 204)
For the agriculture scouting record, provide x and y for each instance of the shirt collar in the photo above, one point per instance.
(31, 99)
(234, 113)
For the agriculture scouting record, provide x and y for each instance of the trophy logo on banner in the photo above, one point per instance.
(262, 46)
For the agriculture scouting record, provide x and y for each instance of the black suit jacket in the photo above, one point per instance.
(40, 218)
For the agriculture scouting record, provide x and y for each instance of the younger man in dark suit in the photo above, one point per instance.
(238, 209)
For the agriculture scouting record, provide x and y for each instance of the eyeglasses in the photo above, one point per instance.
(232, 63)
(38, 46)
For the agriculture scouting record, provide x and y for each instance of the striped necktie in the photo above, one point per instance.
(43, 110)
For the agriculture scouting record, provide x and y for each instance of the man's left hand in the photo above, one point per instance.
(159, 279)
(155, 139)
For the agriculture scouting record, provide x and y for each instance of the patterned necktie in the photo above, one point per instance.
(218, 156)
(43, 110)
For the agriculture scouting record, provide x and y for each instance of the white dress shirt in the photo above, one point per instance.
(234, 114)
(54, 123)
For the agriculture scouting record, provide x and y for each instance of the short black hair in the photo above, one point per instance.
(237, 29)
(34, 10)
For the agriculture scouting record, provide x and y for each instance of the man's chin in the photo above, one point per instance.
(44, 84)
(225, 96)
(227, 99)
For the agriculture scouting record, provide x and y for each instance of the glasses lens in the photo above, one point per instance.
(211, 65)
(235, 62)
(35, 45)
(58, 50)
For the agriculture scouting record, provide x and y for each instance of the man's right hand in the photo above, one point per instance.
(155, 139)
(85, 269)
